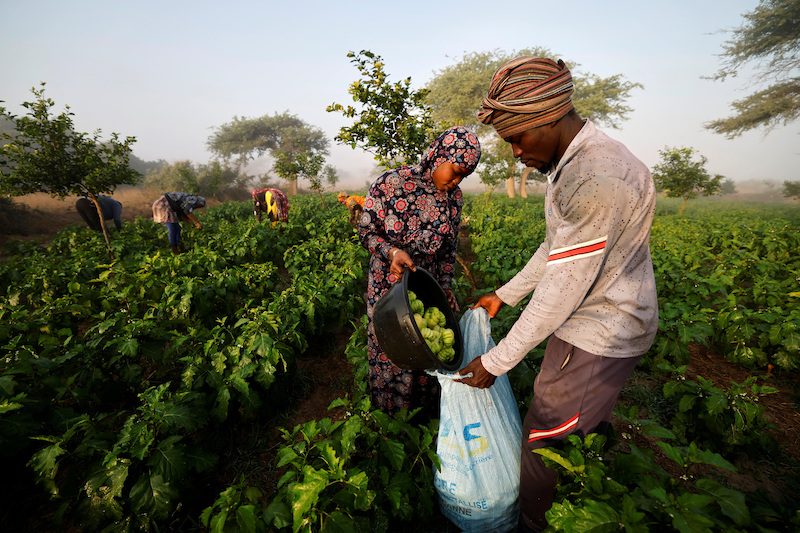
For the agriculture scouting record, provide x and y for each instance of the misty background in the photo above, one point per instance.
(169, 73)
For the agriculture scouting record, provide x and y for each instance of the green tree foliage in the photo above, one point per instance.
(300, 153)
(214, 179)
(791, 189)
(298, 149)
(769, 38)
(496, 166)
(46, 154)
(392, 121)
(727, 187)
(681, 175)
(330, 175)
(244, 139)
(145, 167)
(456, 92)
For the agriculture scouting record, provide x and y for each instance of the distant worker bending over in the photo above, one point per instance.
(354, 204)
(273, 202)
(111, 209)
(174, 207)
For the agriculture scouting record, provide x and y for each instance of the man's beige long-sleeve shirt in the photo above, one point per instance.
(592, 279)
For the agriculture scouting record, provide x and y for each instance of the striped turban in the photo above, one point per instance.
(525, 93)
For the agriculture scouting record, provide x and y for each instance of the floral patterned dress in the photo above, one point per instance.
(405, 210)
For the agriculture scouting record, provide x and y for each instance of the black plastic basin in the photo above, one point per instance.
(397, 332)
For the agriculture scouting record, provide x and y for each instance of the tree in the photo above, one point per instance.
(330, 175)
(770, 37)
(300, 153)
(727, 187)
(392, 121)
(6, 127)
(298, 149)
(680, 175)
(178, 176)
(46, 154)
(791, 189)
(145, 167)
(211, 180)
(496, 167)
(216, 179)
(456, 92)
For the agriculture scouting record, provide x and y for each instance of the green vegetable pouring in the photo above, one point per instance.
(431, 323)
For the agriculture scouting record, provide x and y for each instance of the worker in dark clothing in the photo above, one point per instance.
(111, 209)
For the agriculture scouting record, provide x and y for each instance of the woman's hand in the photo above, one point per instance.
(400, 260)
(491, 302)
(481, 378)
(194, 220)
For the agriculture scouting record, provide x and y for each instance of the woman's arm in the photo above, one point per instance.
(193, 219)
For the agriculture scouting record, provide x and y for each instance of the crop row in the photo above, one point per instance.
(725, 279)
(118, 377)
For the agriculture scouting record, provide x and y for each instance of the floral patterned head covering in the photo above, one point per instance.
(457, 145)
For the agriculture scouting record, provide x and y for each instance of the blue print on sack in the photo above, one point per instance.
(475, 448)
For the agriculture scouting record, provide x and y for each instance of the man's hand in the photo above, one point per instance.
(481, 378)
(400, 261)
(491, 302)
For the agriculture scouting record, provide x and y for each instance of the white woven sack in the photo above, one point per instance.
(479, 442)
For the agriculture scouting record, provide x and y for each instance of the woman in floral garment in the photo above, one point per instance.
(411, 218)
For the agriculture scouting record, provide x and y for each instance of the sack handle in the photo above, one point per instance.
(454, 376)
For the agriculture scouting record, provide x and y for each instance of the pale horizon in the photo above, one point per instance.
(169, 73)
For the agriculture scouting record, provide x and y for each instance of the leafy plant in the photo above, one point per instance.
(603, 491)
(719, 418)
(357, 474)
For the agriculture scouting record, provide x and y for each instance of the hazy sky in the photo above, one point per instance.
(168, 72)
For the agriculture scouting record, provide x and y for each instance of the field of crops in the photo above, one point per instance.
(126, 383)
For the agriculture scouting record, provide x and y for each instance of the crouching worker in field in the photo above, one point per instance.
(273, 202)
(594, 292)
(411, 218)
(112, 210)
(174, 207)
(354, 204)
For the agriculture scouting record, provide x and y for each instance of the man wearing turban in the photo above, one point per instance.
(594, 293)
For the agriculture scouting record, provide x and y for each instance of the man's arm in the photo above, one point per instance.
(526, 279)
(590, 227)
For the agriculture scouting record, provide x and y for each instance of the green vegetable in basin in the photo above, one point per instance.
(431, 323)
